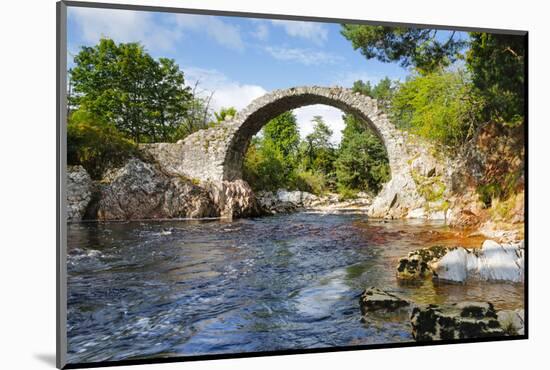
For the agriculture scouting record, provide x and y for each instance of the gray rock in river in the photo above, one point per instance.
(79, 192)
(493, 262)
(417, 263)
(375, 299)
(455, 321)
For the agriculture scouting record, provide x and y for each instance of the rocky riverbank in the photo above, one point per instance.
(142, 190)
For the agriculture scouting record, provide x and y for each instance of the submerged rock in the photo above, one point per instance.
(79, 192)
(455, 321)
(374, 299)
(494, 261)
(140, 190)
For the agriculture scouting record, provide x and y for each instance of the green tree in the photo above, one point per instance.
(320, 137)
(146, 99)
(441, 106)
(497, 63)
(423, 48)
(265, 167)
(318, 152)
(270, 161)
(282, 132)
(362, 162)
(383, 91)
(362, 87)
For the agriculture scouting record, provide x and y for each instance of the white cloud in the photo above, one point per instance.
(227, 93)
(311, 31)
(123, 26)
(331, 116)
(304, 56)
(261, 32)
(158, 34)
(225, 34)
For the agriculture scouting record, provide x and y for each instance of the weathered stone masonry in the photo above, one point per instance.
(217, 154)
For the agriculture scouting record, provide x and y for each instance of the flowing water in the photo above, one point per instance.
(181, 288)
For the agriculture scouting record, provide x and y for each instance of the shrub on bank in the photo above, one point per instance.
(96, 145)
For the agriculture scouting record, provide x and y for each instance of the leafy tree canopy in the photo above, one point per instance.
(146, 99)
(421, 48)
(282, 133)
(362, 163)
(496, 62)
(96, 144)
(442, 107)
(317, 152)
(320, 137)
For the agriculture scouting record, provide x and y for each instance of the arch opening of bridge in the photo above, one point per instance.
(249, 122)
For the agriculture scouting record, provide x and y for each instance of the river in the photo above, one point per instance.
(179, 288)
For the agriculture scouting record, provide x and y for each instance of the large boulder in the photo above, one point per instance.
(494, 261)
(234, 199)
(141, 190)
(396, 198)
(79, 192)
(455, 321)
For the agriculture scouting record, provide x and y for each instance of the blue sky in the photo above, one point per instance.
(238, 58)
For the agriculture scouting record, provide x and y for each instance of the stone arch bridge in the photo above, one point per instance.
(217, 154)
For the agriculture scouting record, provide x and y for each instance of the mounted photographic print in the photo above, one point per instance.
(235, 184)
